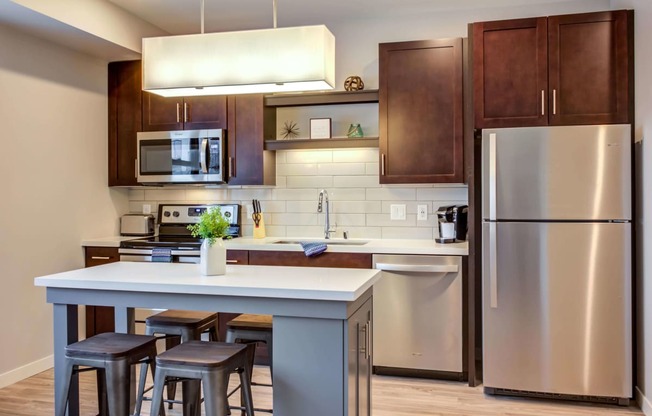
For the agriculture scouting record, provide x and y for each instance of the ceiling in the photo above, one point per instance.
(183, 16)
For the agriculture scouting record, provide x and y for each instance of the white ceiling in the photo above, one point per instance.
(183, 16)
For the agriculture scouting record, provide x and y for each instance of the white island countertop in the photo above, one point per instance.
(314, 283)
(336, 245)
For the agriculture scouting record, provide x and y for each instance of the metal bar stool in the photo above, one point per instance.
(208, 363)
(178, 326)
(252, 328)
(111, 354)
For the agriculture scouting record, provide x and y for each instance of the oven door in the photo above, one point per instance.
(186, 156)
(145, 255)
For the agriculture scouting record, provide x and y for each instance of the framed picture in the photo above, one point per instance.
(320, 128)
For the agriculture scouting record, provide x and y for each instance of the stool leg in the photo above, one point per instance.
(172, 342)
(117, 387)
(62, 400)
(101, 392)
(270, 351)
(215, 387)
(245, 388)
(213, 334)
(190, 389)
(141, 385)
(157, 395)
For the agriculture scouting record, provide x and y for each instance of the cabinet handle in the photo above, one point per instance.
(543, 103)
(231, 261)
(100, 257)
(231, 173)
(382, 164)
(136, 168)
(185, 112)
(554, 101)
(178, 113)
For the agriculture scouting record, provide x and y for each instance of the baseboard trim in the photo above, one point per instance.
(28, 370)
(643, 402)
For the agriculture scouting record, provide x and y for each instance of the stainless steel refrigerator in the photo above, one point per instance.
(557, 261)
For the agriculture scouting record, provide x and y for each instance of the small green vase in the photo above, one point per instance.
(355, 131)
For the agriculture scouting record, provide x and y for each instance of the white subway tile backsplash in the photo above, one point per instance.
(408, 233)
(359, 204)
(355, 155)
(341, 169)
(309, 156)
(391, 194)
(294, 169)
(309, 181)
(356, 181)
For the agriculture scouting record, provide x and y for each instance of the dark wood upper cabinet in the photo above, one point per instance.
(420, 105)
(560, 70)
(250, 123)
(183, 113)
(590, 61)
(125, 87)
(510, 73)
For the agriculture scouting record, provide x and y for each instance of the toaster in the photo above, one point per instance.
(137, 224)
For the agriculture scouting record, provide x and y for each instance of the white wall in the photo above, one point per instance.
(53, 165)
(643, 156)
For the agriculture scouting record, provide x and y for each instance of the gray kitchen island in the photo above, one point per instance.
(322, 321)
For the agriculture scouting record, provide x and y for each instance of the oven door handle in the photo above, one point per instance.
(202, 155)
(148, 252)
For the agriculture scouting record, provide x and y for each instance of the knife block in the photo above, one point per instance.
(259, 231)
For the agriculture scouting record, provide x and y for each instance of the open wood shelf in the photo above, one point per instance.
(334, 143)
(322, 98)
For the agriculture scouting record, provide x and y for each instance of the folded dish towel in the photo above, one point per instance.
(313, 249)
(162, 255)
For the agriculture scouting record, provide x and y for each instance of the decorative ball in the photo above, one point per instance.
(353, 83)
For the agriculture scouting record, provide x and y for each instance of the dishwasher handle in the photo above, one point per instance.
(418, 268)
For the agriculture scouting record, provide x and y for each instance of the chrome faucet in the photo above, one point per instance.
(323, 199)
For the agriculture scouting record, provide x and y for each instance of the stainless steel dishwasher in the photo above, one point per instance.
(417, 307)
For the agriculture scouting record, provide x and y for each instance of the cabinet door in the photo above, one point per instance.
(124, 121)
(207, 112)
(100, 319)
(510, 73)
(590, 68)
(420, 103)
(359, 361)
(162, 113)
(249, 124)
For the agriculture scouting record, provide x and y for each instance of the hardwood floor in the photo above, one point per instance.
(392, 396)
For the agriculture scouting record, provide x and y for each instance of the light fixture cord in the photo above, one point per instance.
(274, 8)
(202, 16)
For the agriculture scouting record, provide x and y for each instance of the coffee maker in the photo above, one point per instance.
(452, 221)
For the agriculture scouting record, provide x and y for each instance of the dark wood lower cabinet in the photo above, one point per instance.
(100, 319)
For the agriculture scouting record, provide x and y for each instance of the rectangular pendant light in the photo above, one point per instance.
(253, 61)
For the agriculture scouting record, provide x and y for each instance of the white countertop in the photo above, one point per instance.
(314, 283)
(373, 246)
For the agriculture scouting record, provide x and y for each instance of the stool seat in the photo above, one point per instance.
(250, 321)
(178, 318)
(111, 345)
(201, 354)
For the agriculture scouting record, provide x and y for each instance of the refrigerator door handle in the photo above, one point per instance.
(493, 272)
(492, 176)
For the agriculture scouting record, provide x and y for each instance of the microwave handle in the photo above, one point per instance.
(202, 155)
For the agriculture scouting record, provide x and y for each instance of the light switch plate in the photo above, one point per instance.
(397, 212)
(422, 212)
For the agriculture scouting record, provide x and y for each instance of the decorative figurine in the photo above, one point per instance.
(355, 131)
(289, 130)
(353, 83)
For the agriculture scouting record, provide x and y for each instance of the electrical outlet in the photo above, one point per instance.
(147, 209)
(397, 212)
(422, 212)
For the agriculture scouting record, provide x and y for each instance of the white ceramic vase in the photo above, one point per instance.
(213, 258)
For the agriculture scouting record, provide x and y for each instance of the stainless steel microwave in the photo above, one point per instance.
(184, 156)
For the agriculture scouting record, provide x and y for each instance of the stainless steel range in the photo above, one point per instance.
(174, 242)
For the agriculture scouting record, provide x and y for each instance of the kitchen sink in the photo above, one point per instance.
(327, 242)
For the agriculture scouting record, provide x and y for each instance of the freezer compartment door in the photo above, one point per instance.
(418, 313)
(557, 308)
(557, 173)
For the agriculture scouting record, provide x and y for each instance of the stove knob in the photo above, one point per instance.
(166, 213)
(175, 214)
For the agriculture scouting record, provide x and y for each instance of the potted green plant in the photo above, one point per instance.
(212, 227)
